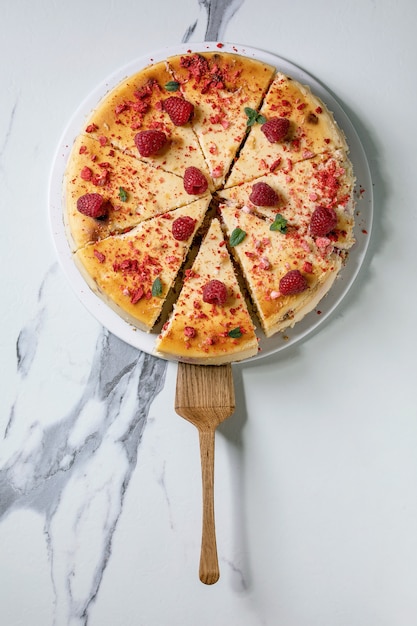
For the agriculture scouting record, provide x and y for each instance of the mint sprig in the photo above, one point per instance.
(172, 85)
(236, 237)
(122, 194)
(235, 333)
(254, 117)
(157, 288)
(279, 223)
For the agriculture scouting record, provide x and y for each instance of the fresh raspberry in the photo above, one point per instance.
(195, 182)
(215, 292)
(179, 110)
(183, 227)
(292, 283)
(92, 205)
(149, 142)
(323, 221)
(276, 129)
(263, 195)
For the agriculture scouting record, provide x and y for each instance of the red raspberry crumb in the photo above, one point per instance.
(86, 173)
(323, 221)
(92, 205)
(179, 110)
(292, 283)
(137, 295)
(215, 292)
(99, 256)
(149, 142)
(183, 227)
(190, 331)
(263, 195)
(195, 182)
(276, 129)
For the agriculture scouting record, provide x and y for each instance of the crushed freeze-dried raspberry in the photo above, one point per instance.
(190, 331)
(137, 295)
(292, 283)
(323, 221)
(183, 227)
(195, 182)
(99, 256)
(179, 110)
(215, 292)
(92, 205)
(86, 173)
(263, 195)
(149, 142)
(276, 129)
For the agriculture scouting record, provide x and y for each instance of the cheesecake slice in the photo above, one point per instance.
(210, 322)
(286, 274)
(135, 106)
(295, 125)
(131, 190)
(224, 90)
(135, 272)
(325, 181)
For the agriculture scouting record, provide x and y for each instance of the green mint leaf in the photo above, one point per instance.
(235, 333)
(157, 288)
(253, 117)
(122, 194)
(172, 85)
(237, 237)
(279, 223)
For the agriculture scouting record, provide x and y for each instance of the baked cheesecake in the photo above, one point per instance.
(210, 323)
(206, 195)
(134, 119)
(286, 273)
(324, 181)
(131, 191)
(294, 125)
(135, 272)
(224, 89)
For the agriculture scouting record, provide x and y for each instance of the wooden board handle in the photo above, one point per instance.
(209, 565)
(205, 397)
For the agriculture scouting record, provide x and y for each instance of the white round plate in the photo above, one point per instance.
(364, 203)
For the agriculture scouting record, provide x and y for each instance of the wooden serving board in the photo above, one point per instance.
(205, 397)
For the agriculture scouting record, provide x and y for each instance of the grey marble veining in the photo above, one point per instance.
(78, 464)
(213, 19)
(73, 463)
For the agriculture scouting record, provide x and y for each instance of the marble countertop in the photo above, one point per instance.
(316, 471)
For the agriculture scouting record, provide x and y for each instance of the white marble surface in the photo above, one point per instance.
(316, 472)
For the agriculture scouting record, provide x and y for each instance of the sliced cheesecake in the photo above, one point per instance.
(320, 182)
(136, 106)
(267, 256)
(295, 125)
(210, 323)
(131, 190)
(205, 191)
(135, 272)
(224, 90)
